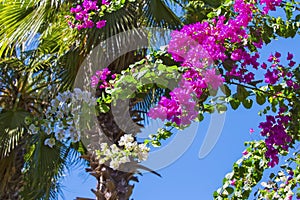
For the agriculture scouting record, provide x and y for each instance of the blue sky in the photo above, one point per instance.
(190, 177)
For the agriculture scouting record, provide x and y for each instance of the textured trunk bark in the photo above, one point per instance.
(12, 183)
(114, 184)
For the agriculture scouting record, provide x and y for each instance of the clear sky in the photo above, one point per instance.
(190, 177)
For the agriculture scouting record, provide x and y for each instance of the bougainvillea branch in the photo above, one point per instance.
(215, 54)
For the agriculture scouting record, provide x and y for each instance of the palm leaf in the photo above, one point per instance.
(157, 13)
(21, 20)
(11, 131)
(45, 167)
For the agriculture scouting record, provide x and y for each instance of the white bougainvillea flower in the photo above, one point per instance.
(75, 136)
(114, 149)
(60, 135)
(124, 159)
(114, 164)
(50, 142)
(129, 150)
(103, 146)
(125, 139)
(33, 129)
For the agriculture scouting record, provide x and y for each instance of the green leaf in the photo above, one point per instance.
(230, 190)
(226, 90)
(173, 68)
(235, 103)
(162, 67)
(129, 79)
(156, 143)
(209, 108)
(221, 108)
(297, 18)
(215, 194)
(12, 119)
(200, 117)
(104, 108)
(260, 98)
(242, 93)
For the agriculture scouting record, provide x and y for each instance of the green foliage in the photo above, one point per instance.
(140, 78)
(44, 168)
(260, 97)
(22, 20)
(157, 13)
(26, 89)
(284, 182)
(247, 172)
(59, 53)
(200, 10)
(155, 139)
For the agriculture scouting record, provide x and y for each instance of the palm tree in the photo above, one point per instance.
(25, 86)
(60, 50)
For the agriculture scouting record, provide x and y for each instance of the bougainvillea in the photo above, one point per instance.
(200, 46)
(102, 77)
(209, 54)
(277, 71)
(83, 14)
(89, 13)
(62, 124)
(277, 138)
(127, 151)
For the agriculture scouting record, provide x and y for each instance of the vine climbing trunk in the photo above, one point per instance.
(114, 184)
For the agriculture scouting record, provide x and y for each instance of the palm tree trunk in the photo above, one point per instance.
(12, 183)
(113, 184)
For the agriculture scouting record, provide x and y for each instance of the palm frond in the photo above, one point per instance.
(158, 14)
(150, 99)
(21, 20)
(45, 168)
(11, 130)
(117, 22)
(25, 87)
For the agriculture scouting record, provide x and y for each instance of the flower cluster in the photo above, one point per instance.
(180, 108)
(277, 71)
(241, 73)
(281, 187)
(203, 43)
(222, 39)
(84, 13)
(127, 151)
(102, 77)
(270, 5)
(274, 129)
(212, 37)
(198, 46)
(62, 117)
